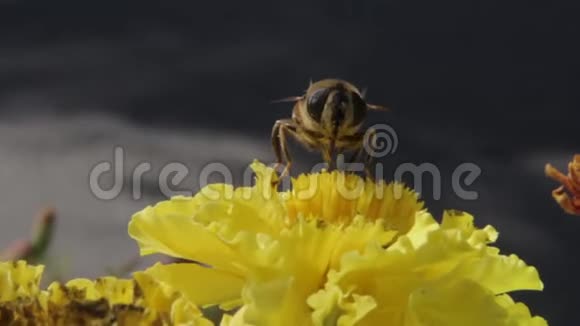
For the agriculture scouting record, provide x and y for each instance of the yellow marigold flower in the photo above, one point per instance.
(434, 275)
(105, 301)
(313, 255)
(277, 247)
(570, 201)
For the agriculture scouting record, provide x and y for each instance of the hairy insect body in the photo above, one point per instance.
(328, 118)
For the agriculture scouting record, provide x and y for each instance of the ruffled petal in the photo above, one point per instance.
(201, 285)
(454, 303)
(286, 272)
(114, 290)
(183, 312)
(235, 320)
(518, 313)
(439, 249)
(163, 300)
(18, 279)
(500, 274)
(169, 228)
(332, 306)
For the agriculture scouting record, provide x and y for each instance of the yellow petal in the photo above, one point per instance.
(386, 276)
(518, 313)
(162, 300)
(334, 307)
(440, 249)
(236, 320)
(500, 274)
(358, 235)
(114, 290)
(286, 272)
(462, 222)
(18, 279)
(455, 303)
(156, 295)
(202, 285)
(117, 291)
(183, 312)
(424, 225)
(169, 228)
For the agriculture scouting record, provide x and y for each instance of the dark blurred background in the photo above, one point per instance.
(494, 83)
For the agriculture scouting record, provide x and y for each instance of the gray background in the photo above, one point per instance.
(484, 82)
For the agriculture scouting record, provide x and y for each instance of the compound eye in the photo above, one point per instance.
(316, 102)
(359, 109)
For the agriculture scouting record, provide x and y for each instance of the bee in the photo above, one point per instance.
(328, 118)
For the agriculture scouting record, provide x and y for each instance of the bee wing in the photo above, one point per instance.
(288, 99)
(377, 107)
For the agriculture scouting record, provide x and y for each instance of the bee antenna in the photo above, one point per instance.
(288, 99)
(377, 107)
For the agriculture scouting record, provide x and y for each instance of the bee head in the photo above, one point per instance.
(335, 103)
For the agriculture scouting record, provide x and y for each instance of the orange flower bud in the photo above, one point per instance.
(568, 194)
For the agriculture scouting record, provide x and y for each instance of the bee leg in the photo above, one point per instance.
(276, 143)
(327, 157)
(356, 155)
(361, 151)
(279, 143)
(330, 155)
(370, 151)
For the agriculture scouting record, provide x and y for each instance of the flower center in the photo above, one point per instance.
(337, 198)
